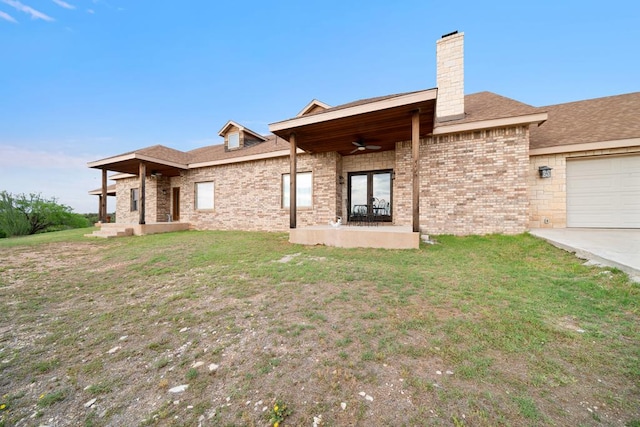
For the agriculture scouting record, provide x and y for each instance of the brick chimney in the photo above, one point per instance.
(450, 77)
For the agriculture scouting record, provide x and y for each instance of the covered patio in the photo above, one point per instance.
(153, 162)
(347, 130)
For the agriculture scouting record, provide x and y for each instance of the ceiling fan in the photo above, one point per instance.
(361, 146)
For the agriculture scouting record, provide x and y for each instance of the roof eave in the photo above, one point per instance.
(536, 118)
(242, 159)
(585, 146)
(102, 164)
(415, 97)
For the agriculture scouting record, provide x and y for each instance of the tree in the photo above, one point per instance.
(21, 215)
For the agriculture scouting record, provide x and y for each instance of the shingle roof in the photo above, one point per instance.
(488, 105)
(593, 120)
(217, 152)
(365, 101)
(164, 153)
(159, 152)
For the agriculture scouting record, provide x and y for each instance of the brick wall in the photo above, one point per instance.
(248, 195)
(472, 182)
(403, 185)
(157, 203)
(548, 206)
(123, 201)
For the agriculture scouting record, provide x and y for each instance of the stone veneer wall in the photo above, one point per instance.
(162, 203)
(471, 182)
(450, 76)
(548, 197)
(248, 195)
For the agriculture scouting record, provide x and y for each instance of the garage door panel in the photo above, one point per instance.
(604, 192)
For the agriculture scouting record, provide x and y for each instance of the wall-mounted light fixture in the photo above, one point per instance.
(544, 171)
(341, 180)
(164, 191)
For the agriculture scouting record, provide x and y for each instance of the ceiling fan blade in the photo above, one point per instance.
(357, 149)
(357, 143)
(373, 147)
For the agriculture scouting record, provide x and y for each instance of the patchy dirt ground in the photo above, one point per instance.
(88, 337)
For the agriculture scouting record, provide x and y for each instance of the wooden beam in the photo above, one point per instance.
(415, 155)
(102, 210)
(143, 178)
(293, 205)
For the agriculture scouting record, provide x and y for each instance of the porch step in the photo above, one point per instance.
(109, 232)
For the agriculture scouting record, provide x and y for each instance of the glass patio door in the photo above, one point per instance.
(370, 195)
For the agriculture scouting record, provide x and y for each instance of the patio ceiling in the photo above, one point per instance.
(379, 121)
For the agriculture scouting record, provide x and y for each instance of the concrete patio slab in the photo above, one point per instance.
(618, 248)
(385, 237)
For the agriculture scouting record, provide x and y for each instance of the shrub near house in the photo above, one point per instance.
(22, 215)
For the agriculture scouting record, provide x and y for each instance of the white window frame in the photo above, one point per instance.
(204, 201)
(304, 190)
(235, 139)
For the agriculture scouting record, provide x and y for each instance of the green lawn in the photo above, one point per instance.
(472, 331)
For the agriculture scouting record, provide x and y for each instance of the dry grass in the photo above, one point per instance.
(473, 331)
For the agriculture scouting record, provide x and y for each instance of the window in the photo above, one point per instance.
(233, 140)
(204, 195)
(135, 196)
(370, 195)
(304, 185)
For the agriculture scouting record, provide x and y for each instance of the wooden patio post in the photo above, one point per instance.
(143, 177)
(102, 209)
(415, 154)
(293, 205)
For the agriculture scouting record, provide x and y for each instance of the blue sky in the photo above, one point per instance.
(82, 80)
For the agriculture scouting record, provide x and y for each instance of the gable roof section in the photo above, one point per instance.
(487, 109)
(311, 106)
(158, 158)
(613, 118)
(230, 123)
(382, 121)
(217, 155)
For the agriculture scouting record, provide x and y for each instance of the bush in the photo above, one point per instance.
(22, 215)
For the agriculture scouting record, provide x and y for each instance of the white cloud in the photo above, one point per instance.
(7, 17)
(27, 9)
(53, 174)
(13, 156)
(64, 4)
(91, 11)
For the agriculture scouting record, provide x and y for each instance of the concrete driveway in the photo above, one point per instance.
(611, 247)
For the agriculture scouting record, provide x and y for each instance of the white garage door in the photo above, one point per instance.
(604, 192)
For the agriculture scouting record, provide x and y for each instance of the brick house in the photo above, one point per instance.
(433, 161)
